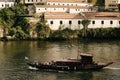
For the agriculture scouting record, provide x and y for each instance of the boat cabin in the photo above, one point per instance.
(68, 62)
(86, 58)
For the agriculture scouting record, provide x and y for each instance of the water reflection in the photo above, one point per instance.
(13, 66)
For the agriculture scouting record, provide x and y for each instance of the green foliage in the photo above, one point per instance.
(22, 22)
(10, 18)
(12, 31)
(102, 33)
(18, 33)
(65, 34)
(97, 2)
(89, 1)
(17, 1)
(100, 2)
(6, 17)
(6, 14)
(19, 10)
(43, 30)
(85, 24)
(42, 17)
(3, 23)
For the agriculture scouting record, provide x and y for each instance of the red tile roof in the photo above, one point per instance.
(60, 15)
(102, 15)
(88, 15)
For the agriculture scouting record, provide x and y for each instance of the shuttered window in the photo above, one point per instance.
(70, 22)
(102, 22)
(51, 22)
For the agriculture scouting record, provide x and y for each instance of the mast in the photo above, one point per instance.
(78, 52)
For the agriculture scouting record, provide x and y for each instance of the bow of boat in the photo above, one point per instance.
(109, 63)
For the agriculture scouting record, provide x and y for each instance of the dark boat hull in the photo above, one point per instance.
(40, 66)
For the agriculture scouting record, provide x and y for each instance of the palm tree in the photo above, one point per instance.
(85, 24)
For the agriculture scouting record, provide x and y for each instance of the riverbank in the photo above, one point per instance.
(68, 34)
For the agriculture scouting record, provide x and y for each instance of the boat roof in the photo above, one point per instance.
(85, 54)
(68, 60)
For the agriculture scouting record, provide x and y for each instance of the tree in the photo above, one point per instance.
(85, 24)
(22, 22)
(7, 16)
(89, 1)
(100, 2)
(43, 30)
(18, 33)
(6, 19)
(19, 9)
(17, 1)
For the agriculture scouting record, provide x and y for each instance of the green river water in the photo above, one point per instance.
(13, 66)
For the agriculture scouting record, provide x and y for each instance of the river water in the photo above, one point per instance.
(13, 66)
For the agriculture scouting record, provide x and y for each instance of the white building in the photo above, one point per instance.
(71, 6)
(55, 8)
(32, 1)
(118, 1)
(68, 2)
(6, 3)
(73, 20)
(52, 1)
(70, 13)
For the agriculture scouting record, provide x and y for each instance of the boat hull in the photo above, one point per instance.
(40, 66)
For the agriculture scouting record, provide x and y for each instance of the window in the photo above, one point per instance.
(93, 22)
(32, 0)
(28, 0)
(102, 22)
(111, 22)
(61, 22)
(79, 22)
(51, 22)
(2, 5)
(119, 22)
(70, 22)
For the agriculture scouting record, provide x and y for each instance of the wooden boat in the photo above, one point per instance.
(85, 63)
